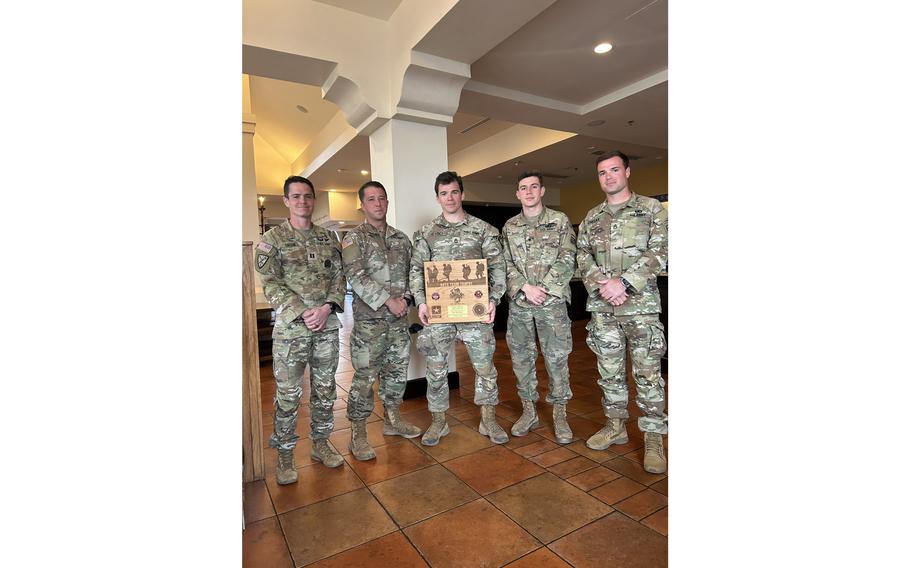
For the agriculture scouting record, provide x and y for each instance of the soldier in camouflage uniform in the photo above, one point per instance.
(376, 260)
(622, 246)
(299, 264)
(455, 235)
(539, 250)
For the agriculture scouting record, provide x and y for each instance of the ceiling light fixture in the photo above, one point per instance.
(364, 172)
(302, 109)
(596, 122)
(603, 48)
(339, 170)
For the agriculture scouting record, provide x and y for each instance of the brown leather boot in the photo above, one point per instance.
(393, 425)
(527, 420)
(438, 428)
(360, 446)
(323, 452)
(655, 460)
(489, 427)
(287, 469)
(613, 433)
(560, 425)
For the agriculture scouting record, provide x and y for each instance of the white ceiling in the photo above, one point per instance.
(548, 59)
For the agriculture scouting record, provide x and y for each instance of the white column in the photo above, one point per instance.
(250, 203)
(406, 157)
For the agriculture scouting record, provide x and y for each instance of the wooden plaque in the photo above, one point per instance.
(457, 290)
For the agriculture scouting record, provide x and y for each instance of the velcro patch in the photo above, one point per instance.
(264, 247)
(261, 259)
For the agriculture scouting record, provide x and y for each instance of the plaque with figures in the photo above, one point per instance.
(457, 290)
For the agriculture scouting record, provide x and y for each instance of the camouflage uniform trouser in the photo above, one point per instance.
(555, 334)
(434, 342)
(607, 336)
(289, 360)
(379, 351)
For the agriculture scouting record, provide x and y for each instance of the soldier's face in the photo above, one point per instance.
(300, 200)
(375, 204)
(449, 197)
(530, 191)
(613, 177)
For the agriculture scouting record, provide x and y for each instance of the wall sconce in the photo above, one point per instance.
(261, 214)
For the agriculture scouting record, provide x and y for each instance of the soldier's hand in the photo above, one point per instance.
(398, 306)
(610, 289)
(491, 312)
(423, 314)
(535, 294)
(619, 300)
(314, 318)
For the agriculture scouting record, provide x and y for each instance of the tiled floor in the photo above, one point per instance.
(466, 502)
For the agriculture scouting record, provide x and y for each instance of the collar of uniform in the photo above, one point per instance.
(371, 229)
(629, 202)
(541, 219)
(295, 231)
(441, 221)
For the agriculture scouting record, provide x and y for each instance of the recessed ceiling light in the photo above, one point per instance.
(339, 170)
(631, 123)
(603, 48)
(364, 172)
(596, 122)
(516, 162)
(302, 109)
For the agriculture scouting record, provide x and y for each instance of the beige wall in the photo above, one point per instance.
(578, 199)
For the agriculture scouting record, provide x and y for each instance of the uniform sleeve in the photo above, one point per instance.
(514, 278)
(420, 254)
(286, 303)
(496, 265)
(355, 270)
(557, 278)
(654, 260)
(584, 255)
(337, 287)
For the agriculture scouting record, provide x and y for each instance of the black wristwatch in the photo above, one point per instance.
(625, 283)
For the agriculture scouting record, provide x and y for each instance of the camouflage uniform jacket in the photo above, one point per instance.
(632, 244)
(376, 264)
(472, 238)
(300, 270)
(540, 252)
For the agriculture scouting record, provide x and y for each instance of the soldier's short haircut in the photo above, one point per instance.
(298, 179)
(532, 173)
(446, 178)
(612, 154)
(371, 183)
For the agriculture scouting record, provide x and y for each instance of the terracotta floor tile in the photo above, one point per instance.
(521, 441)
(391, 460)
(573, 466)
(390, 550)
(548, 507)
(541, 558)
(492, 469)
(473, 535)
(314, 483)
(662, 486)
(599, 456)
(615, 491)
(553, 457)
(420, 418)
(593, 478)
(657, 521)
(421, 494)
(614, 540)
(642, 504)
(264, 545)
(633, 470)
(257, 504)
(460, 441)
(326, 528)
(585, 404)
(536, 448)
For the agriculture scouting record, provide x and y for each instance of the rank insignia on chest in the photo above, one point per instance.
(311, 256)
(323, 238)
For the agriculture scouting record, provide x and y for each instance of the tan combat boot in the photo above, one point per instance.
(655, 461)
(360, 446)
(560, 426)
(287, 469)
(323, 452)
(613, 433)
(438, 428)
(489, 427)
(528, 419)
(393, 425)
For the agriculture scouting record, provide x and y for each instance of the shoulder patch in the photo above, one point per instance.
(347, 241)
(264, 247)
(261, 259)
